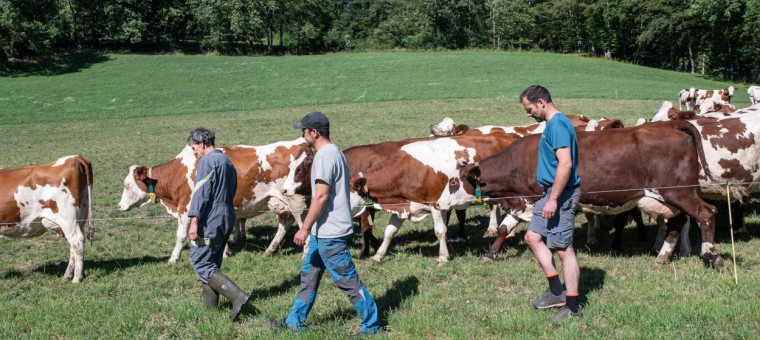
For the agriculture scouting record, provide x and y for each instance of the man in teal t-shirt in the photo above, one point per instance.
(553, 219)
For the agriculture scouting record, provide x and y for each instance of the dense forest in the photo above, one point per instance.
(719, 39)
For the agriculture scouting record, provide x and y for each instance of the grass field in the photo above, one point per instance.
(118, 110)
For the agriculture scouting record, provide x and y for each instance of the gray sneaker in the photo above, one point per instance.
(549, 300)
(565, 313)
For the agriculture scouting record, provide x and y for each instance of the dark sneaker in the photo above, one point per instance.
(549, 300)
(565, 313)
(276, 323)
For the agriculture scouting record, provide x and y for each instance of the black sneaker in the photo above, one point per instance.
(549, 300)
(565, 313)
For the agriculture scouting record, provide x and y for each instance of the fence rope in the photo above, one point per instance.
(166, 217)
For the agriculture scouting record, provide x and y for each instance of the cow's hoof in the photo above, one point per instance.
(441, 261)
(486, 259)
(717, 262)
(375, 260)
(656, 266)
(662, 260)
(171, 261)
(616, 253)
(490, 233)
(269, 252)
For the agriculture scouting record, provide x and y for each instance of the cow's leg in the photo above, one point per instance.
(704, 214)
(506, 229)
(238, 233)
(440, 228)
(284, 221)
(182, 225)
(685, 241)
(619, 223)
(669, 241)
(393, 224)
(640, 226)
(661, 230)
(592, 225)
(366, 219)
(462, 219)
(737, 216)
(74, 235)
(493, 222)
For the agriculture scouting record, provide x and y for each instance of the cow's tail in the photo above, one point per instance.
(690, 129)
(87, 167)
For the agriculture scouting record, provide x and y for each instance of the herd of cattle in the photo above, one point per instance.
(663, 167)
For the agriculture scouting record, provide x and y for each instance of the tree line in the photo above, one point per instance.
(715, 38)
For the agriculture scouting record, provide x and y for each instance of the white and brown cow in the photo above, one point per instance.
(706, 100)
(687, 98)
(754, 94)
(261, 172)
(619, 169)
(56, 196)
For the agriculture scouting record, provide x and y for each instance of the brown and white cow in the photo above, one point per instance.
(619, 169)
(754, 94)
(706, 100)
(261, 172)
(409, 182)
(687, 98)
(56, 196)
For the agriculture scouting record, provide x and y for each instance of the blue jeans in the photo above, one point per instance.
(332, 254)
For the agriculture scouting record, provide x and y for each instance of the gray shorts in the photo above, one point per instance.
(557, 230)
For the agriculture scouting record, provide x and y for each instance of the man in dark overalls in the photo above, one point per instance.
(212, 217)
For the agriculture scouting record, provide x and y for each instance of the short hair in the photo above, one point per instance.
(534, 93)
(201, 136)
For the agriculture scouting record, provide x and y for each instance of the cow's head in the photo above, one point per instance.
(662, 114)
(298, 180)
(135, 188)
(460, 191)
(447, 128)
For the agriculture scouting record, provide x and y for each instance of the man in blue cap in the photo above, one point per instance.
(329, 224)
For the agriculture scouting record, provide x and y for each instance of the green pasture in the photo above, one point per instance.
(117, 110)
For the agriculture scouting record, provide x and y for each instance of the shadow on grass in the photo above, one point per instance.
(277, 290)
(400, 292)
(57, 268)
(55, 66)
(425, 242)
(592, 279)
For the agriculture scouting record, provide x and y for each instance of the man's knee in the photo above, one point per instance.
(532, 238)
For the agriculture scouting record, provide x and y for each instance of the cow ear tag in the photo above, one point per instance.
(478, 196)
(151, 193)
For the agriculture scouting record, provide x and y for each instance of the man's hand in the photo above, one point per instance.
(193, 231)
(301, 236)
(550, 208)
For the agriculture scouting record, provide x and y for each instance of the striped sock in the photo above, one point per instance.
(572, 302)
(555, 286)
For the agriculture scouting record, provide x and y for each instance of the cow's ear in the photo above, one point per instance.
(472, 171)
(141, 173)
(461, 129)
(359, 184)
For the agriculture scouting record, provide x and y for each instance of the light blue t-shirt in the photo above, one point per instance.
(331, 167)
(559, 133)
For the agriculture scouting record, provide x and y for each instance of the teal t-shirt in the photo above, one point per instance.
(559, 133)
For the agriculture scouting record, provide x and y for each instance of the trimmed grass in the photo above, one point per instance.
(130, 292)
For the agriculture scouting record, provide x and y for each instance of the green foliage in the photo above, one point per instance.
(714, 38)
